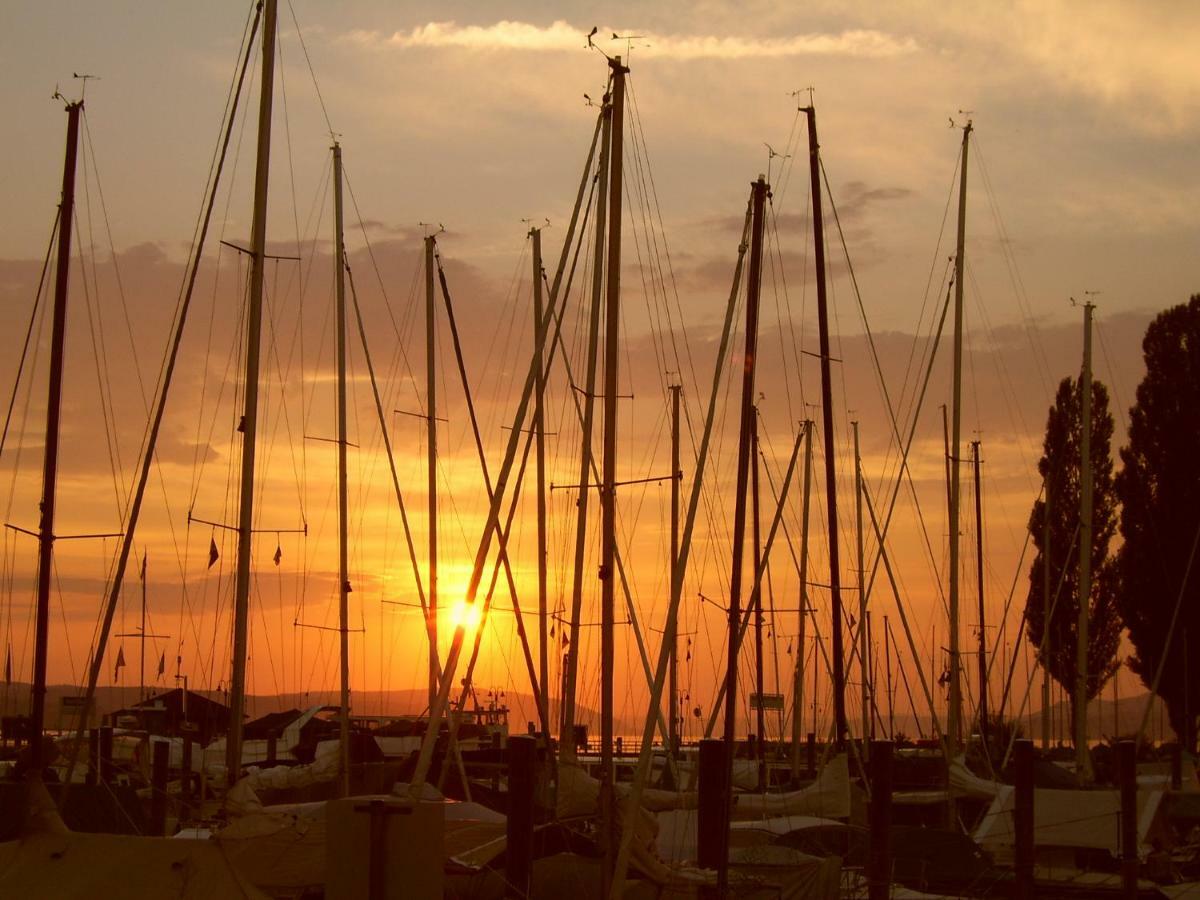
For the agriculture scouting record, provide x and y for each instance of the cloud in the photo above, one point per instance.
(560, 36)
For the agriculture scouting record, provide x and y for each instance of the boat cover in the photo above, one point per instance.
(1079, 818)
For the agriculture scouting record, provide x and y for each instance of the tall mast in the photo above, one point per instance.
(745, 437)
(539, 435)
(672, 638)
(608, 499)
(1047, 725)
(339, 256)
(58, 340)
(431, 462)
(864, 639)
(1083, 761)
(983, 686)
(954, 715)
(566, 736)
(760, 723)
(835, 575)
(258, 250)
(798, 676)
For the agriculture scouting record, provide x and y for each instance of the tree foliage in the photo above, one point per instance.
(1060, 470)
(1159, 489)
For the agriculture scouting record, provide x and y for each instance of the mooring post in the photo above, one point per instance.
(1127, 769)
(812, 754)
(187, 767)
(161, 758)
(1176, 766)
(272, 747)
(712, 826)
(106, 754)
(522, 782)
(93, 766)
(879, 873)
(1023, 819)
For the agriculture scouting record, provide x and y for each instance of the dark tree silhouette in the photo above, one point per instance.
(1059, 466)
(1159, 488)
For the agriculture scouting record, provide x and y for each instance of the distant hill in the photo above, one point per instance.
(14, 700)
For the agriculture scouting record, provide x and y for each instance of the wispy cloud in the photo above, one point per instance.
(561, 36)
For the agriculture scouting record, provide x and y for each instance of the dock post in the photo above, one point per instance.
(158, 786)
(1176, 766)
(812, 754)
(93, 766)
(272, 747)
(522, 777)
(712, 825)
(879, 873)
(106, 754)
(1023, 819)
(187, 767)
(1127, 773)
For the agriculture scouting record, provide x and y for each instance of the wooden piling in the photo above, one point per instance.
(522, 783)
(93, 765)
(712, 816)
(879, 871)
(106, 754)
(158, 786)
(1127, 775)
(1023, 819)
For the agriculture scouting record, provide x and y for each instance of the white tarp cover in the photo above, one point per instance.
(50, 861)
(1068, 819)
(965, 783)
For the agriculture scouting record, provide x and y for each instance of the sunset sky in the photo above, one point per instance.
(474, 117)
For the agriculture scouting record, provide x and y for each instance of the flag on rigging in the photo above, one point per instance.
(213, 555)
(162, 664)
(120, 662)
(278, 554)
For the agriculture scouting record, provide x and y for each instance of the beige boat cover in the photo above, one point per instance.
(1064, 818)
(50, 861)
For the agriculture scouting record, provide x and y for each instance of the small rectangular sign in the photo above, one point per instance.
(767, 701)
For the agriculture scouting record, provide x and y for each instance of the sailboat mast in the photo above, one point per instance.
(673, 622)
(249, 428)
(339, 256)
(864, 665)
(539, 437)
(760, 722)
(566, 736)
(431, 463)
(745, 448)
(1082, 757)
(983, 686)
(798, 676)
(1047, 725)
(954, 715)
(58, 339)
(142, 655)
(835, 575)
(608, 499)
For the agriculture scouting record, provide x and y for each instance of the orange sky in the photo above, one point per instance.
(479, 124)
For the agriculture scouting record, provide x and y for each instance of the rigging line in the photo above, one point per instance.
(1046, 629)
(311, 71)
(1014, 272)
(148, 455)
(387, 305)
(33, 317)
(1162, 660)
(100, 361)
(387, 444)
(137, 368)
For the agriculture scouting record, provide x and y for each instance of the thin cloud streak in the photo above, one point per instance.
(562, 36)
